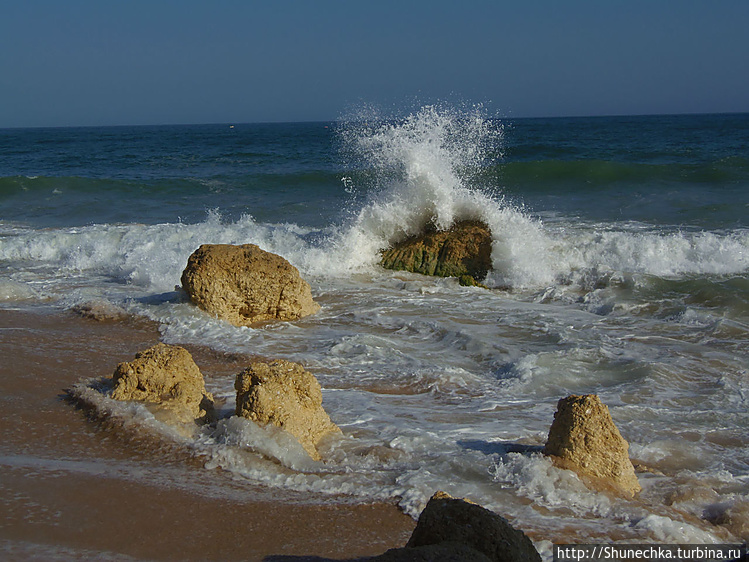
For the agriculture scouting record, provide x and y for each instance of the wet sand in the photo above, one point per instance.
(72, 488)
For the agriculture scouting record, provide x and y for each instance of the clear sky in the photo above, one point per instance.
(107, 62)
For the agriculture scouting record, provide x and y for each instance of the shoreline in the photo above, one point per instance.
(74, 488)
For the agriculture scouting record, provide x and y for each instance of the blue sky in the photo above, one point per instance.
(75, 62)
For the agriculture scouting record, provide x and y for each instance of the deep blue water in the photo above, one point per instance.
(685, 171)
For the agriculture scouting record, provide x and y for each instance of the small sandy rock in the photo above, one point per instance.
(462, 251)
(245, 285)
(583, 438)
(282, 393)
(168, 376)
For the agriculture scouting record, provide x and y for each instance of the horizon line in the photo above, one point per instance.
(332, 121)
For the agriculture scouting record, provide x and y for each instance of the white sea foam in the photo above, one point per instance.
(152, 257)
(667, 530)
(535, 477)
(14, 291)
(269, 441)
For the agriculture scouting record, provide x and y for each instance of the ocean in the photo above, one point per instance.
(620, 267)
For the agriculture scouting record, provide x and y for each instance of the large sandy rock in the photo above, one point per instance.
(449, 522)
(168, 376)
(583, 438)
(282, 393)
(464, 250)
(245, 285)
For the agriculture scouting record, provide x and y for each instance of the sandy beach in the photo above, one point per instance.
(73, 488)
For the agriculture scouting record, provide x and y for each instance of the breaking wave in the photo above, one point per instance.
(424, 169)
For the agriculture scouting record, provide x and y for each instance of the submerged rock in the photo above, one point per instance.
(462, 251)
(282, 393)
(583, 438)
(100, 310)
(245, 285)
(165, 375)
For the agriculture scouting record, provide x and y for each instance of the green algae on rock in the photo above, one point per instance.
(462, 250)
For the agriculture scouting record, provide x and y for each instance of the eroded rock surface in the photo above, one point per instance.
(245, 285)
(463, 250)
(583, 438)
(282, 393)
(168, 376)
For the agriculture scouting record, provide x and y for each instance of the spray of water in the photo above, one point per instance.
(426, 169)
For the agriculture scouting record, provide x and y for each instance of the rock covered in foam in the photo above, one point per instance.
(245, 285)
(463, 250)
(165, 375)
(282, 393)
(100, 310)
(583, 438)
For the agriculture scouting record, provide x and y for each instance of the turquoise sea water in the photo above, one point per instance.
(621, 267)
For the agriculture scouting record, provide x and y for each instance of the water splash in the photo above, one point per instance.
(420, 167)
(425, 169)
